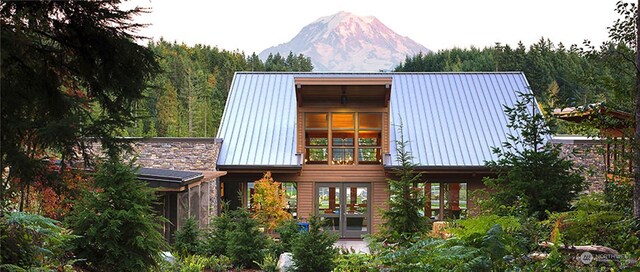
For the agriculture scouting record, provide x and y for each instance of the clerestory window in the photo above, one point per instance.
(339, 138)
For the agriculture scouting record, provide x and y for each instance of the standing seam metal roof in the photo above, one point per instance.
(449, 119)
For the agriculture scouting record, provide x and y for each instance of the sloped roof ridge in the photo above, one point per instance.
(375, 73)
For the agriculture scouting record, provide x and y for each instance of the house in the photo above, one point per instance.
(330, 139)
(615, 127)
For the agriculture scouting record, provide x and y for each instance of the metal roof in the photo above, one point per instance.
(449, 119)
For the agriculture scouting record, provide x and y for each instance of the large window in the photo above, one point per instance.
(445, 200)
(336, 138)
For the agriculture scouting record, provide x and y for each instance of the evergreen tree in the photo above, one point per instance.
(313, 250)
(404, 219)
(531, 174)
(168, 111)
(71, 71)
(117, 224)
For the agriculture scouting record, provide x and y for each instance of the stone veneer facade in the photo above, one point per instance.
(187, 154)
(588, 154)
(193, 154)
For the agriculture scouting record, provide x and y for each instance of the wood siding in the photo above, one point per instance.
(372, 174)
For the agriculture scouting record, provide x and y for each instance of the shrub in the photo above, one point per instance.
(215, 242)
(188, 238)
(313, 250)
(465, 228)
(29, 241)
(244, 241)
(269, 263)
(594, 221)
(219, 263)
(118, 225)
(355, 262)
(288, 232)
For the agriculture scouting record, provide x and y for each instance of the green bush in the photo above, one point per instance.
(313, 250)
(219, 263)
(245, 243)
(288, 232)
(188, 238)
(464, 228)
(215, 242)
(355, 262)
(269, 263)
(117, 223)
(595, 221)
(33, 241)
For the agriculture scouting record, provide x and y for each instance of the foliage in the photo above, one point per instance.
(71, 71)
(288, 232)
(404, 218)
(269, 263)
(531, 174)
(244, 241)
(32, 241)
(198, 263)
(269, 200)
(594, 221)
(313, 250)
(187, 98)
(215, 242)
(355, 262)
(188, 238)
(468, 227)
(118, 225)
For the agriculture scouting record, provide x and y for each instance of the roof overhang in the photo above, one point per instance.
(446, 169)
(344, 91)
(166, 180)
(261, 168)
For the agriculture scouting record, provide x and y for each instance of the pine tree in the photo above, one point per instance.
(532, 176)
(168, 111)
(404, 219)
(117, 223)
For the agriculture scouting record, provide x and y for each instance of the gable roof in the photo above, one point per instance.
(449, 119)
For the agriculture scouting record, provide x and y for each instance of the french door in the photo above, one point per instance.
(345, 208)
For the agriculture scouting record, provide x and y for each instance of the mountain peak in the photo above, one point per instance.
(348, 42)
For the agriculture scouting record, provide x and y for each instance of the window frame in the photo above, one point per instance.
(355, 146)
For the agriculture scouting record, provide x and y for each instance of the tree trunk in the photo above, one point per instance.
(636, 136)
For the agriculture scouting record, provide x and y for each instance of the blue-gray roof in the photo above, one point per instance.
(449, 119)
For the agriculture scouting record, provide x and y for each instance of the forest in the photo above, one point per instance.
(187, 97)
(559, 76)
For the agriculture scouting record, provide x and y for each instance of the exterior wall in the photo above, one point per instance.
(311, 175)
(195, 154)
(587, 154)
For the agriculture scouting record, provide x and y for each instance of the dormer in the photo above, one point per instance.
(343, 120)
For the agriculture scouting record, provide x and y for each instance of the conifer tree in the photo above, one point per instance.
(532, 176)
(404, 219)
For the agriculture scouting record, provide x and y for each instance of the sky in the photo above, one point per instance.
(254, 25)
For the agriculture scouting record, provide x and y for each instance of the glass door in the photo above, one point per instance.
(345, 208)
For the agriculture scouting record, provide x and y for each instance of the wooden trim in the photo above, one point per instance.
(339, 109)
(343, 81)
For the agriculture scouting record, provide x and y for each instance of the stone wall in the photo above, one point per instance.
(195, 154)
(588, 154)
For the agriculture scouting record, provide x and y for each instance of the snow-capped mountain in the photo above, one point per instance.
(347, 42)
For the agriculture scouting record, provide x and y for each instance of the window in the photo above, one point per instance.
(336, 138)
(291, 197)
(317, 138)
(445, 200)
(369, 138)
